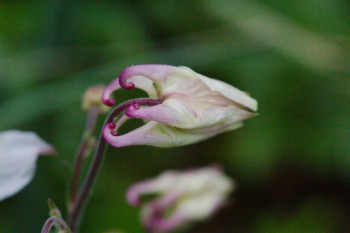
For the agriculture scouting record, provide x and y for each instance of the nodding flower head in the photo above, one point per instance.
(181, 197)
(183, 107)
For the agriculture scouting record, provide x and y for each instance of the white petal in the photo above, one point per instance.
(159, 135)
(227, 90)
(158, 185)
(195, 181)
(207, 190)
(18, 155)
(161, 113)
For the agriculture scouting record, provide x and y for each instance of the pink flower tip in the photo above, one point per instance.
(128, 86)
(130, 111)
(111, 125)
(114, 133)
(123, 80)
(136, 106)
(108, 102)
(133, 197)
(48, 150)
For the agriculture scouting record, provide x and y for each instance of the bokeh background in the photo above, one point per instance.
(291, 163)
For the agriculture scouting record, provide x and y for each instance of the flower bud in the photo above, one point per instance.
(92, 98)
(191, 107)
(181, 197)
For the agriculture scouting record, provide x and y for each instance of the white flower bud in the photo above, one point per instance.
(182, 197)
(191, 107)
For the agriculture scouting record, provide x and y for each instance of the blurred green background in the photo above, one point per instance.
(291, 163)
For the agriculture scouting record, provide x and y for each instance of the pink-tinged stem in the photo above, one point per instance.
(81, 200)
(50, 222)
(89, 128)
(55, 221)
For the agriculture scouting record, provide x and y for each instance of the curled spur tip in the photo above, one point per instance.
(109, 102)
(114, 133)
(111, 125)
(123, 81)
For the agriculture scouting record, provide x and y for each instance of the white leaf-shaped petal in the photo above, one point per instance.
(18, 154)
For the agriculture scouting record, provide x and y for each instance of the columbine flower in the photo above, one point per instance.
(183, 197)
(184, 107)
(18, 154)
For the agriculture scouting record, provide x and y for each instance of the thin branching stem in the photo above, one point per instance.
(50, 222)
(81, 200)
(89, 128)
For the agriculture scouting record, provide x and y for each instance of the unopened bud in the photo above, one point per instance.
(181, 197)
(92, 98)
(54, 211)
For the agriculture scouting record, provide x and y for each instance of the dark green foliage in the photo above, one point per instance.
(291, 163)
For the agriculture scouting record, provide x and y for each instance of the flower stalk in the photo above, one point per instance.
(82, 197)
(83, 149)
(50, 222)
(55, 220)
